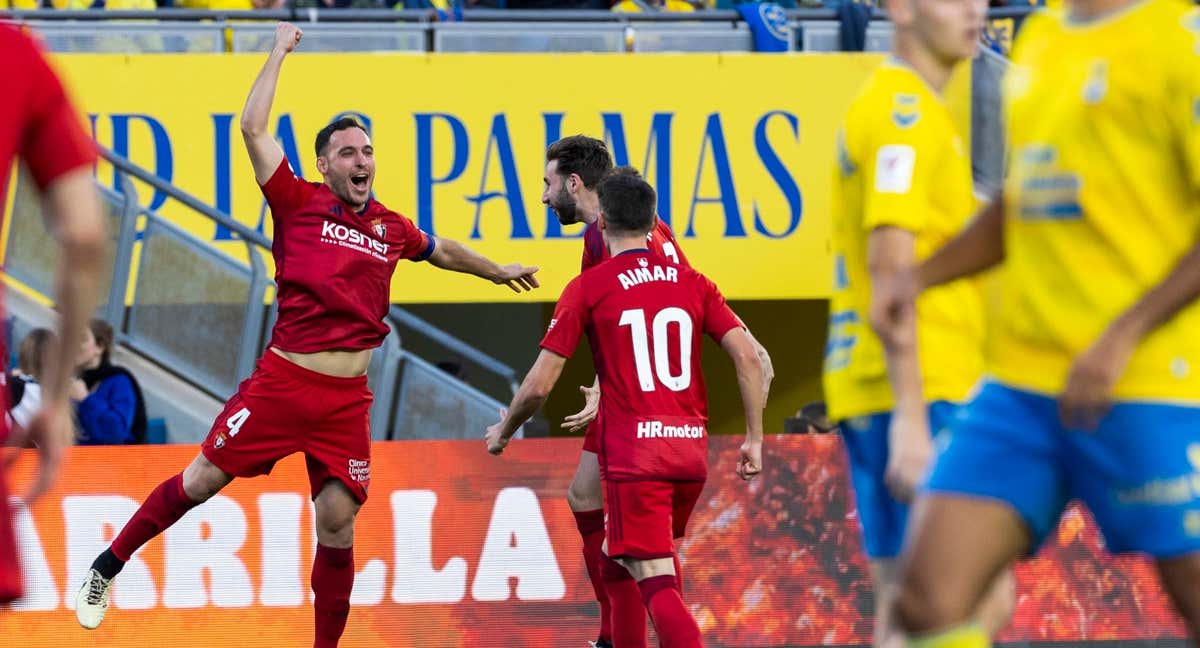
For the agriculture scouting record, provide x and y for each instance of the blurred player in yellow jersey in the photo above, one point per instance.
(1094, 351)
(902, 189)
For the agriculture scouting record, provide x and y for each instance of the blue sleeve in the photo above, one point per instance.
(106, 415)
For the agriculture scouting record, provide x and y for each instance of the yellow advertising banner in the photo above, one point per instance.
(740, 148)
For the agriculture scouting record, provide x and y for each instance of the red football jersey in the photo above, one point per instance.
(37, 121)
(660, 240)
(644, 317)
(334, 266)
(39, 124)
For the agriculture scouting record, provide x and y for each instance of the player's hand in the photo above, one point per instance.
(585, 416)
(1087, 395)
(517, 277)
(749, 460)
(496, 441)
(287, 37)
(911, 452)
(53, 430)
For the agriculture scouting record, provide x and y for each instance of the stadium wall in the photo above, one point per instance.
(739, 146)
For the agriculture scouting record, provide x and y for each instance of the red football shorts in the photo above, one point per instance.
(642, 518)
(11, 584)
(284, 408)
(591, 438)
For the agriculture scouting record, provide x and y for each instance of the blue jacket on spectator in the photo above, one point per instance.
(106, 416)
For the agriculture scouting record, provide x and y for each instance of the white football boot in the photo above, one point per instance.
(91, 603)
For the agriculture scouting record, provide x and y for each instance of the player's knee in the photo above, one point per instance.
(203, 479)
(335, 528)
(996, 610)
(335, 520)
(584, 495)
(643, 569)
(922, 605)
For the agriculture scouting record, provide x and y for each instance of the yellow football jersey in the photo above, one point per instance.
(901, 162)
(1102, 194)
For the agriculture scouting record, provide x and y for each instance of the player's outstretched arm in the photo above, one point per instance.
(1095, 372)
(533, 392)
(73, 215)
(978, 247)
(768, 367)
(452, 255)
(737, 343)
(891, 260)
(265, 154)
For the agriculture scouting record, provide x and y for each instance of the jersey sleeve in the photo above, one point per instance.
(417, 245)
(284, 191)
(897, 165)
(719, 319)
(671, 248)
(53, 141)
(569, 321)
(593, 248)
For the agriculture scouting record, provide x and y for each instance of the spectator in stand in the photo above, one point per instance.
(109, 401)
(24, 392)
(635, 6)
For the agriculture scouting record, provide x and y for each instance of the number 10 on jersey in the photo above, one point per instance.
(635, 319)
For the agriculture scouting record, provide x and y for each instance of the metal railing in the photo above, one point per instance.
(419, 30)
(203, 314)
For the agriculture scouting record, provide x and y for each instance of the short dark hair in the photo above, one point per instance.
(625, 171)
(339, 124)
(628, 201)
(584, 156)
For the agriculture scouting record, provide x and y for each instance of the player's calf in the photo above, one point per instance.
(165, 505)
(675, 625)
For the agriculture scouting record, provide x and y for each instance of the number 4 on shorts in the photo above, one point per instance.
(234, 423)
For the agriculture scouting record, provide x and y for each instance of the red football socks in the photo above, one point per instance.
(165, 505)
(675, 625)
(332, 582)
(628, 612)
(591, 529)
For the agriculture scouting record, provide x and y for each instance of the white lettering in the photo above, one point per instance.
(351, 237)
(86, 517)
(518, 546)
(207, 538)
(635, 276)
(656, 430)
(279, 514)
(416, 580)
(40, 591)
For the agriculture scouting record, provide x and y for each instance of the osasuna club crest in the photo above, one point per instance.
(379, 228)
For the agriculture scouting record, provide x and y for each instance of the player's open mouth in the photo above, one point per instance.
(359, 180)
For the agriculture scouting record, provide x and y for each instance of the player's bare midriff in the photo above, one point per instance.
(339, 363)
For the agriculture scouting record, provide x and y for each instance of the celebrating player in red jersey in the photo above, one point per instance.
(574, 167)
(39, 124)
(335, 250)
(644, 317)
